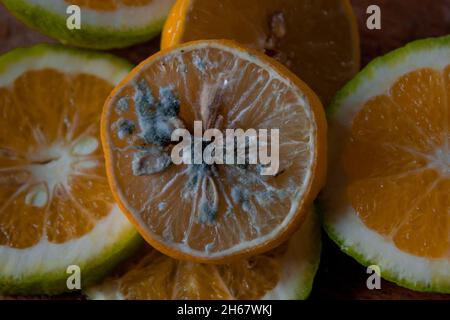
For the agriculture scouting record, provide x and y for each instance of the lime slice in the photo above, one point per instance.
(104, 24)
(56, 209)
(387, 198)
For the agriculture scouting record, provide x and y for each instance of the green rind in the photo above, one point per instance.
(89, 36)
(54, 282)
(386, 274)
(395, 57)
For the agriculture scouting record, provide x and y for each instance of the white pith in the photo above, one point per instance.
(340, 218)
(125, 18)
(384, 77)
(46, 258)
(300, 191)
(66, 63)
(376, 249)
(300, 262)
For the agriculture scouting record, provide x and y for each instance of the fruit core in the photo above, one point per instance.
(51, 166)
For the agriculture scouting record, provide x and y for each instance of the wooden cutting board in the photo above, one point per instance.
(339, 276)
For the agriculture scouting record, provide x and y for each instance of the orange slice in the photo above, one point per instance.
(218, 212)
(387, 201)
(317, 40)
(286, 272)
(56, 208)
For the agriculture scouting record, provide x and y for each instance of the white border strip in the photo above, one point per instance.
(71, 63)
(127, 18)
(46, 257)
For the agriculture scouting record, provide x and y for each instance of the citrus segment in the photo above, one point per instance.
(286, 272)
(390, 164)
(317, 40)
(212, 212)
(54, 193)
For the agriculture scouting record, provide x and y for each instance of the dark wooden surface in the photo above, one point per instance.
(339, 276)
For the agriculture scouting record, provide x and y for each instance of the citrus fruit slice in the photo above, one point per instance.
(56, 209)
(212, 213)
(286, 272)
(104, 24)
(387, 198)
(317, 40)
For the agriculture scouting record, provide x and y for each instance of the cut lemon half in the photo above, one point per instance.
(286, 272)
(56, 209)
(104, 24)
(317, 40)
(212, 213)
(387, 201)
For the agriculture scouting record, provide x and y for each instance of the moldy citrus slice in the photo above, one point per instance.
(218, 212)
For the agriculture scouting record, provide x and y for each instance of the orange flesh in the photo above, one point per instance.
(108, 5)
(398, 163)
(43, 115)
(166, 206)
(317, 40)
(155, 276)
